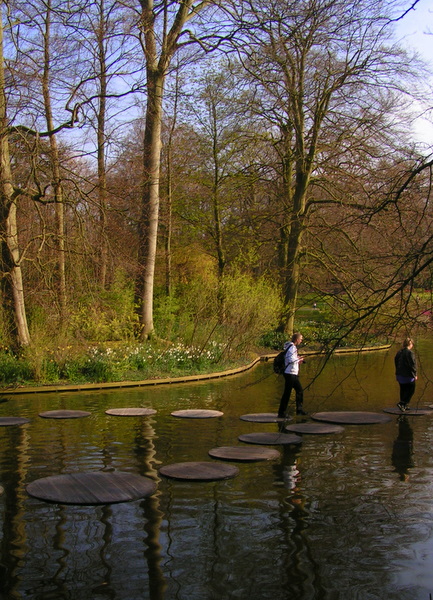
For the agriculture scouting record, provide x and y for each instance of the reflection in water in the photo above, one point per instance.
(324, 521)
(144, 450)
(402, 449)
(13, 544)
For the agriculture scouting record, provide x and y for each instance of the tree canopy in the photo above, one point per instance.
(161, 159)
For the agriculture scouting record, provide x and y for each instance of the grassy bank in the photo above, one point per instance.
(113, 362)
(47, 362)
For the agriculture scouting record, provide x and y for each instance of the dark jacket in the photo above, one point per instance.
(405, 363)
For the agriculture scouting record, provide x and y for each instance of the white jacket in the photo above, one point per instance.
(291, 359)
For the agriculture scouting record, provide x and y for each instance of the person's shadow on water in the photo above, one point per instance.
(402, 450)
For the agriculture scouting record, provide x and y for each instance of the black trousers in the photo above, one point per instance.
(407, 390)
(291, 382)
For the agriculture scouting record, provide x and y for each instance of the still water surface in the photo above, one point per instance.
(347, 516)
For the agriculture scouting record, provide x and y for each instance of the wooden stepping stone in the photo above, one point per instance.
(4, 421)
(270, 438)
(314, 428)
(92, 488)
(199, 471)
(197, 413)
(351, 417)
(264, 418)
(242, 454)
(64, 414)
(412, 412)
(130, 412)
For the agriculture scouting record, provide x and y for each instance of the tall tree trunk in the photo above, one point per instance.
(292, 274)
(169, 190)
(55, 167)
(157, 65)
(218, 232)
(168, 220)
(102, 174)
(11, 275)
(148, 224)
(292, 269)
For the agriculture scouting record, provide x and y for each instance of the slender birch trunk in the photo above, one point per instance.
(11, 274)
(102, 174)
(55, 167)
(148, 224)
(159, 48)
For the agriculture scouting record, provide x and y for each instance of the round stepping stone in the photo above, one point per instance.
(270, 438)
(351, 417)
(130, 412)
(64, 414)
(199, 471)
(412, 412)
(197, 413)
(264, 418)
(13, 421)
(92, 488)
(314, 428)
(2, 490)
(242, 454)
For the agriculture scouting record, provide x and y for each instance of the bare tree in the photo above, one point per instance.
(323, 70)
(108, 77)
(163, 33)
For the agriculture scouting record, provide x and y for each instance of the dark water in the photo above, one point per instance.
(347, 516)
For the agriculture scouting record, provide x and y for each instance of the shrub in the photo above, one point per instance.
(248, 306)
(273, 339)
(14, 369)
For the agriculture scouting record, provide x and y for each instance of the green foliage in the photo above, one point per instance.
(13, 369)
(109, 317)
(320, 335)
(273, 339)
(166, 316)
(249, 306)
(5, 337)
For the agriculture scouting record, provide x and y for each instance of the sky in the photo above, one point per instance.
(414, 30)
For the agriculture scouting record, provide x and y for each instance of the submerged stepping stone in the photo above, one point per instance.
(199, 471)
(314, 428)
(243, 454)
(13, 421)
(412, 412)
(64, 414)
(199, 413)
(130, 412)
(270, 438)
(264, 418)
(351, 417)
(92, 488)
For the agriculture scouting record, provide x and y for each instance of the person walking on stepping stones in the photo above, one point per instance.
(405, 373)
(291, 376)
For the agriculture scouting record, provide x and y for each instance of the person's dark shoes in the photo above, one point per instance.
(402, 406)
(300, 411)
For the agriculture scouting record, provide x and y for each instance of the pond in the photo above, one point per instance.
(342, 516)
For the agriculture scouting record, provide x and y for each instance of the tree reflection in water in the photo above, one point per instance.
(324, 520)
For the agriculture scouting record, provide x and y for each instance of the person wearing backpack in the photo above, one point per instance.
(291, 376)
